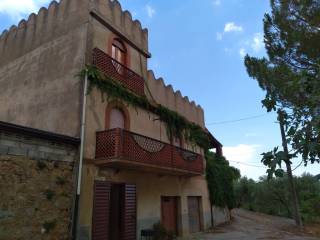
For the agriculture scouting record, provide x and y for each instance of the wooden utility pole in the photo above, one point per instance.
(295, 202)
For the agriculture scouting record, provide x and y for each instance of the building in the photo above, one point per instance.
(133, 174)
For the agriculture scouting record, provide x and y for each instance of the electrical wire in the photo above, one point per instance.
(247, 164)
(237, 120)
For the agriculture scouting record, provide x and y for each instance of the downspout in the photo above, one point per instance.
(83, 123)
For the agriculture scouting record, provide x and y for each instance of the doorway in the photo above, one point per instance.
(194, 212)
(114, 211)
(169, 213)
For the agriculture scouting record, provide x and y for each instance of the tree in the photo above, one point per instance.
(272, 196)
(291, 78)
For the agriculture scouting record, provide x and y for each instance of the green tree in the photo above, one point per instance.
(271, 196)
(290, 75)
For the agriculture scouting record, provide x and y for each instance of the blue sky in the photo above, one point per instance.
(198, 47)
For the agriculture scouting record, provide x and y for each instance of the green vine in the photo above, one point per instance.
(220, 179)
(177, 125)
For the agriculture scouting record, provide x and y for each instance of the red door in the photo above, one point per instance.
(169, 213)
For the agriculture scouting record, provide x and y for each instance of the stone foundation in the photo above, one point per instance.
(36, 198)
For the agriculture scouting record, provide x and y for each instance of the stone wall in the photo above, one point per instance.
(221, 215)
(36, 198)
(34, 148)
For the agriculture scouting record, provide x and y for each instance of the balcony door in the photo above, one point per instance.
(117, 119)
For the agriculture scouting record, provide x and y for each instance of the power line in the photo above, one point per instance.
(237, 120)
(247, 164)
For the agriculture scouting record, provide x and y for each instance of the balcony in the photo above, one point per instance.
(118, 148)
(118, 72)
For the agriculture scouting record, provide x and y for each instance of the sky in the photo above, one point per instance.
(198, 46)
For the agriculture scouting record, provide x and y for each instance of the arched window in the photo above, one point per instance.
(119, 51)
(117, 119)
(117, 116)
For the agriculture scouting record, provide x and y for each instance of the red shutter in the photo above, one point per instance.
(101, 210)
(130, 213)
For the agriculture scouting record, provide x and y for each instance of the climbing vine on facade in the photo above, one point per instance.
(220, 179)
(177, 125)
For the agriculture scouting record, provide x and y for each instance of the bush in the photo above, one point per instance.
(49, 194)
(160, 233)
(49, 225)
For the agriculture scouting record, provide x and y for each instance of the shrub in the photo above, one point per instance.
(41, 164)
(49, 194)
(49, 225)
(60, 180)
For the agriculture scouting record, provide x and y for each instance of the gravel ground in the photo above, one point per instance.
(253, 226)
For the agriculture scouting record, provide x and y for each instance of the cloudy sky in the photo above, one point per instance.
(198, 46)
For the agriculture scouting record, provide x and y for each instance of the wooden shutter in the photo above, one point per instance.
(130, 213)
(101, 210)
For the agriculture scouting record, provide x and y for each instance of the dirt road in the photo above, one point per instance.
(253, 226)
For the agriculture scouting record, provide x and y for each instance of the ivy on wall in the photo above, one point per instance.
(177, 125)
(220, 179)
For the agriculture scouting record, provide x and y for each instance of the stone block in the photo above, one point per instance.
(9, 143)
(34, 154)
(16, 151)
(4, 150)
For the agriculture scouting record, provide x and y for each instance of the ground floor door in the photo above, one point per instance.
(169, 213)
(114, 211)
(194, 214)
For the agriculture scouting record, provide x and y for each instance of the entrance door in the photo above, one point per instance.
(169, 212)
(114, 211)
(194, 214)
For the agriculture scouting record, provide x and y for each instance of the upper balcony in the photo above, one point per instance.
(119, 148)
(117, 71)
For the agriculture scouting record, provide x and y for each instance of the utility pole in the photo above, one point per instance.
(295, 202)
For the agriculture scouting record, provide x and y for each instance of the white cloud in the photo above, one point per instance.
(242, 52)
(240, 153)
(17, 9)
(246, 158)
(216, 2)
(257, 42)
(219, 36)
(232, 27)
(150, 10)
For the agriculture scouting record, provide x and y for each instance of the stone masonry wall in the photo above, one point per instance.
(36, 198)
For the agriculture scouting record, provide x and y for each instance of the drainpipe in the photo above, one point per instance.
(83, 123)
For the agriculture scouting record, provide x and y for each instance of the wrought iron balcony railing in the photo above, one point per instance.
(121, 145)
(118, 71)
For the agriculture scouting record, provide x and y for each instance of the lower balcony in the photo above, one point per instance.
(118, 148)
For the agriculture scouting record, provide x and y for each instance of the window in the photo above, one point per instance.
(117, 116)
(119, 51)
(117, 119)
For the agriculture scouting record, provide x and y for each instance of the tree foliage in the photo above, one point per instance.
(271, 196)
(220, 179)
(290, 75)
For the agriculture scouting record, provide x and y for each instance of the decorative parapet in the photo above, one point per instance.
(61, 18)
(165, 95)
(49, 23)
(120, 20)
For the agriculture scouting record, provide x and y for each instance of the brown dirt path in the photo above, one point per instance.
(248, 225)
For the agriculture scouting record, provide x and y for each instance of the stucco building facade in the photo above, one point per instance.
(133, 174)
